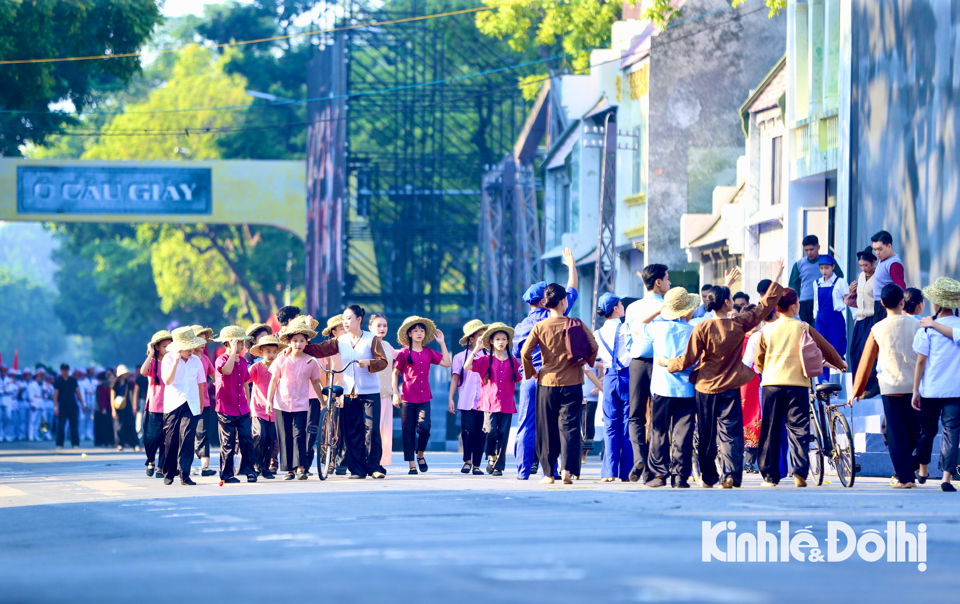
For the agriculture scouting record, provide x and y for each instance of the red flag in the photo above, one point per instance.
(1, 358)
(16, 361)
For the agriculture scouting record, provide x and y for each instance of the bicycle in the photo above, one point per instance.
(835, 444)
(330, 434)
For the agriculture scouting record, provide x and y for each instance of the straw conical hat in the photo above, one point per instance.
(471, 328)
(410, 322)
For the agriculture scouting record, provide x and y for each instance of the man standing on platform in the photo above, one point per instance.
(805, 273)
(889, 270)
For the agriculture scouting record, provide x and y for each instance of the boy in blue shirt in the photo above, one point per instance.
(672, 402)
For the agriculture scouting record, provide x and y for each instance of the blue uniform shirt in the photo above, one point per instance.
(523, 329)
(670, 341)
(638, 345)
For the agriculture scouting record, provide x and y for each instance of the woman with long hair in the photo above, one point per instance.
(378, 326)
(153, 414)
(124, 410)
(414, 396)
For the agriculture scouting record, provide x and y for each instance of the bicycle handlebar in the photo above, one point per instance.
(341, 370)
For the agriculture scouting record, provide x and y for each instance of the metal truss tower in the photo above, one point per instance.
(400, 178)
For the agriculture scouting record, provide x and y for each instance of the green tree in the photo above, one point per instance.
(29, 325)
(54, 29)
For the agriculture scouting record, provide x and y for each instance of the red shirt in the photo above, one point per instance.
(260, 376)
(156, 388)
(497, 393)
(231, 397)
(416, 373)
(208, 371)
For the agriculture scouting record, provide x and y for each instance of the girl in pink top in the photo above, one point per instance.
(289, 390)
(153, 417)
(413, 364)
(500, 374)
(264, 428)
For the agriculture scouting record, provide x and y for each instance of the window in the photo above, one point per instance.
(776, 156)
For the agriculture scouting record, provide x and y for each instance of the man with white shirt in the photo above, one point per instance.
(88, 388)
(6, 405)
(656, 280)
(184, 380)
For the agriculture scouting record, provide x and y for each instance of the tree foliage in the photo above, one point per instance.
(28, 324)
(53, 29)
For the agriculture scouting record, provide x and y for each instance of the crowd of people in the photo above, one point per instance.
(677, 376)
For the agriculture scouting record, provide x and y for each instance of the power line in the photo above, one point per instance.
(270, 39)
(209, 130)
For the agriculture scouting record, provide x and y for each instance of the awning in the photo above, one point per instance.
(589, 259)
(560, 156)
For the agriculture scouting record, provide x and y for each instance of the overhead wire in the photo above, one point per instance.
(213, 130)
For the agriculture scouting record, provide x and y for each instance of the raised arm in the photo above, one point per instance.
(446, 360)
(573, 280)
(227, 368)
(171, 373)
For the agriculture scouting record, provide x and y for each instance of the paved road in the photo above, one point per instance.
(96, 529)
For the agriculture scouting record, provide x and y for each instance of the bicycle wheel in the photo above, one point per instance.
(817, 466)
(843, 455)
(323, 465)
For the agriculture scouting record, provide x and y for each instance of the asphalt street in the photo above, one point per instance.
(89, 526)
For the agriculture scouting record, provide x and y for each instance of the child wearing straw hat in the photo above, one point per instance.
(184, 383)
(205, 422)
(936, 390)
(672, 401)
(499, 373)
(264, 428)
(466, 385)
(413, 365)
(232, 406)
(153, 415)
(293, 375)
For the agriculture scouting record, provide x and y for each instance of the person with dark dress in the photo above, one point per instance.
(124, 410)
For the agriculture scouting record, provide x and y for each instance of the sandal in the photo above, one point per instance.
(413, 471)
(465, 469)
(477, 472)
(422, 463)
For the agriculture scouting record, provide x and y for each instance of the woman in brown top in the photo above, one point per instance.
(716, 347)
(559, 387)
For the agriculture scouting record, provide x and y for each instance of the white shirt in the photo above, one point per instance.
(840, 287)
(35, 394)
(706, 317)
(943, 358)
(184, 387)
(607, 336)
(638, 345)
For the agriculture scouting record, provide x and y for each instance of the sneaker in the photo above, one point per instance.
(207, 472)
(251, 478)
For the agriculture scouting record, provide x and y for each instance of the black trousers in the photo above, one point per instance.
(590, 420)
(360, 421)
(69, 413)
(125, 428)
(902, 434)
(641, 372)
(558, 427)
(471, 433)
(236, 431)
(496, 425)
(788, 405)
(671, 436)
(179, 438)
(806, 311)
(945, 411)
(204, 422)
(153, 438)
(720, 416)
(264, 438)
(313, 431)
(415, 426)
(292, 435)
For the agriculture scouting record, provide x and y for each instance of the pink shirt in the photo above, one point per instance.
(294, 389)
(156, 389)
(497, 393)
(416, 374)
(468, 390)
(231, 396)
(260, 376)
(208, 371)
